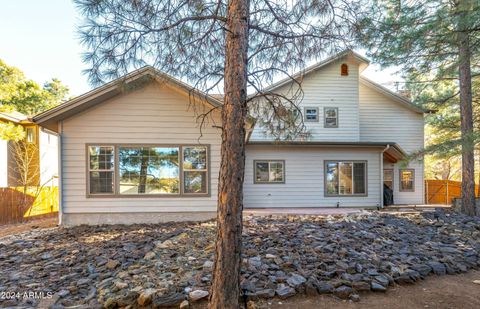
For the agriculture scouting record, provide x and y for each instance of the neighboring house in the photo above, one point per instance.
(43, 165)
(132, 150)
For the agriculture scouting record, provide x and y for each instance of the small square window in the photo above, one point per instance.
(331, 117)
(311, 114)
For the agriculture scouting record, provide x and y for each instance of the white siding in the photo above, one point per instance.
(3, 163)
(48, 144)
(384, 120)
(304, 177)
(327, 88)
(155, 114)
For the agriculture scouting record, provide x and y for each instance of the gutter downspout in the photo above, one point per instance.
(381, 175)
(60, 173)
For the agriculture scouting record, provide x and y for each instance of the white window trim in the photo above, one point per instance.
(325, 125)
(305, 114)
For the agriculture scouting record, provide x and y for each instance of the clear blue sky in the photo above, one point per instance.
(40, 38)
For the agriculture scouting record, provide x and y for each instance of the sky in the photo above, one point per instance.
(40, 38)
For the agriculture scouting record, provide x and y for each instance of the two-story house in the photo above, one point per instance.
(35, 168)
(132, 151)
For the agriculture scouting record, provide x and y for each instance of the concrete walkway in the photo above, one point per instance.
(300, 211)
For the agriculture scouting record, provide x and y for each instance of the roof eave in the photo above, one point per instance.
(112, 88)
(395, 96)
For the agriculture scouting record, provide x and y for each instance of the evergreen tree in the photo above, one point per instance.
(242, 44)
(438, 39)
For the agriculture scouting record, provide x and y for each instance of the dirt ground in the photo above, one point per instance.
(456, 291)
(11, 229)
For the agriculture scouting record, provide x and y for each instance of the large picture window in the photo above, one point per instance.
(345, 178)
(147, 170)
(269, 171)
(101, 169)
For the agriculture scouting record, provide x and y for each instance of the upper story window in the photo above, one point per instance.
(269, 171)
(331, 117)
(311, 114)
(344, 69)
(30, 135)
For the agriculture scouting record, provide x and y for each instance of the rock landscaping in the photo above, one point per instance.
(169, 265)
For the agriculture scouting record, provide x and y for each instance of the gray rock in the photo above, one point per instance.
(325, 287)
(354, 297)
(343, 292)
(255, 261)
(266, 293)
(311, 286)
(378, 287)
(162, 301)
(197, 295)
(296, 280)
(84, 281)
(208, 265)
(438, 268)
(382, 279)
(284, 292)
(361, 286)
(422, 269)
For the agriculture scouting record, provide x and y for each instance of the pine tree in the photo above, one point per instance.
(438, 39)
(238, 43)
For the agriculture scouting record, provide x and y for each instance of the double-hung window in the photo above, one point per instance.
(331, 117)
(269, 171)
(195, 169)
(345, 178)
(101, 169)
(142, 170)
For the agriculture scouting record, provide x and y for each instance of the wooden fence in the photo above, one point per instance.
(443, 191)
(15, 206)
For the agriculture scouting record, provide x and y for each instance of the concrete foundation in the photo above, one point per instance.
(72, 219)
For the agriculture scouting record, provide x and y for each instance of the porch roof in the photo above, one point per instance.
(392, 151)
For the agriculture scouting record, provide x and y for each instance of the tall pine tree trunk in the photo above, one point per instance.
(225, 290)
(466, 115)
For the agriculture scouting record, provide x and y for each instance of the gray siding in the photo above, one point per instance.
(382, 119)
(156, 114)
(304, 177)
(327, 88)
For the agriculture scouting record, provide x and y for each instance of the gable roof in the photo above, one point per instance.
(317, 66)
(50, 117)
(392, 95)
(369, 83)
(14, 116)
